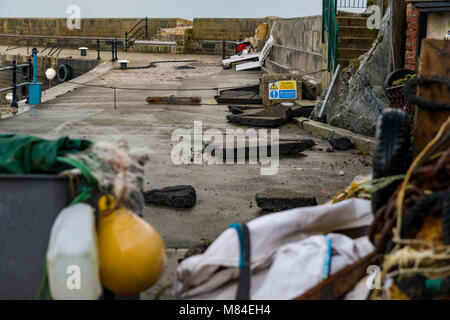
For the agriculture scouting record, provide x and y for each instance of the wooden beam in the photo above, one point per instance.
(434, 61)
(399, 32)
(385, 6)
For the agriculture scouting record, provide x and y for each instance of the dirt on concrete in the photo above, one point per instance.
(168, 71)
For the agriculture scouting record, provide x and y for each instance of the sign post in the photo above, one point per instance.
(35, 89)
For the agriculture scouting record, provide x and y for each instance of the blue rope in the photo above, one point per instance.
(238, 229)
(327, 263)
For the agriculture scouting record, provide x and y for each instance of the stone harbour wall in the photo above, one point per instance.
(90, 27)
(298, 45)
(225, 28)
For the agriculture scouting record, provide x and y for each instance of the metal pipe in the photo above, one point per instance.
(324, 105)
(23, 65)
(30, 71)
(299, 50)
(5, 89)
(6, 68)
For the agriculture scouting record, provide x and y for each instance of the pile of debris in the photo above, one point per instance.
(271, 117)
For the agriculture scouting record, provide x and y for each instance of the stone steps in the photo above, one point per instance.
(350, 53)
(355, 43)
(355, 38)
(361, 32)
(343, 62)
(344, 21)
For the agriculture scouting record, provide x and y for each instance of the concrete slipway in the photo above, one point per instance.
(225, 193)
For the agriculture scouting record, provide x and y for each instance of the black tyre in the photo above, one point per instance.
(396, 75)
(63, 73)
(391, 155)
(23, 92)
(26, 72)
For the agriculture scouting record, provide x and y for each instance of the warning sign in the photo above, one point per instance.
(283, 90)
(288, 85)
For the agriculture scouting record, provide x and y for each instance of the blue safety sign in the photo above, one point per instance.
(274, 95)
(283, 90)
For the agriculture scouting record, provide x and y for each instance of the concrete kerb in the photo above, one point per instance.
(60, 89)
(361, 142)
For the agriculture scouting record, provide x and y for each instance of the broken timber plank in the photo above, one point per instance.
(175, 100)
(340, 283)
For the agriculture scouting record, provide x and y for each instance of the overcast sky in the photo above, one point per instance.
(188, 9)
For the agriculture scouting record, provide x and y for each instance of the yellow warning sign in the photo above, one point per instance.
(274, 86)
(288, 85)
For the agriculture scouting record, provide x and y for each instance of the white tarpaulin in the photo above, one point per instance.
(287, 253)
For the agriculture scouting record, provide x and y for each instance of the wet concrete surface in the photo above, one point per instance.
(225, 193)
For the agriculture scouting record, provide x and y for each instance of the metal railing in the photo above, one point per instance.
(138, 30)
(352, 4)
(14, 85)
(230, 45)
(113, 48)
(331, 30)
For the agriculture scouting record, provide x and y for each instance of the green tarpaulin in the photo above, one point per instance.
(24, 154)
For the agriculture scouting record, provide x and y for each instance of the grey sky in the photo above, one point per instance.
(161, 8)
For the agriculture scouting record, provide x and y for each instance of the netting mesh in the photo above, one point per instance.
(116, 170)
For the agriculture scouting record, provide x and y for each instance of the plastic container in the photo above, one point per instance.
(29, 205)
(34, 93)
(72, 258)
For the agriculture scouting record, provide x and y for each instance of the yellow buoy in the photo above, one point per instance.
(131, 252)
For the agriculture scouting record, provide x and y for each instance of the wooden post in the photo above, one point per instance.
(385, 6)
(399, 32)
(434, 61)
